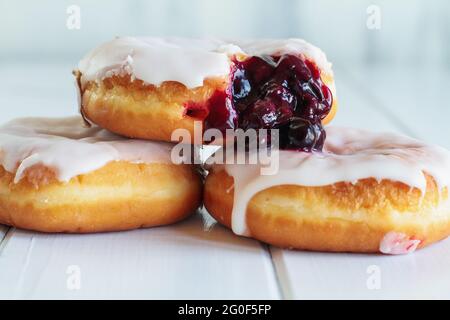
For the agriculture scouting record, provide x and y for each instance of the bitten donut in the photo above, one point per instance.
(58, 176)
(149, 87)
(365, 192)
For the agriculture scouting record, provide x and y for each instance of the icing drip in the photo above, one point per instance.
(69, 148)
(349, 155)
(188, 61)
(398, 243)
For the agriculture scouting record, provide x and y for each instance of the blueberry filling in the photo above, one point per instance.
(284, 93)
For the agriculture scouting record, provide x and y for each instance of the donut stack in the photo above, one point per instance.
(334, 189)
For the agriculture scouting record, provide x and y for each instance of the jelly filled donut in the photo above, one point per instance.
(364, 193)
(58, 176)
(149, 87)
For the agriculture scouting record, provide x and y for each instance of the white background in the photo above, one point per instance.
(412, 31)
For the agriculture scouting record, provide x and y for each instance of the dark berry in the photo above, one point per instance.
(279, 95)
(259, 69)
(327, 95)
(290, 66)
(241, 85)
(264, 114)
(305, 135)
(309, 108)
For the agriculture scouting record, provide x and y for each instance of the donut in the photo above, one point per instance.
(58, 176)
(365, 192)
(149, 87)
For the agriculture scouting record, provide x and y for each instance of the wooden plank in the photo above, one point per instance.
(195, 259)
(319, 275)
(315, 275)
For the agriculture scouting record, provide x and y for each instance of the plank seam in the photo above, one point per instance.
(281, 273)
(23, 272)
(278, 283)
(4, 239)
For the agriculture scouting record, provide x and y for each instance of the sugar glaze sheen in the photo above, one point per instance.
(69, 148)
(349, 155)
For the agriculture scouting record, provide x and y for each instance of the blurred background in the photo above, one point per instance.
(410, 31)
(391, 55)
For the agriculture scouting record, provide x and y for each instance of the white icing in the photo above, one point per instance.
(349, 155)
(286, 46)
(188, 61)
(69, 148)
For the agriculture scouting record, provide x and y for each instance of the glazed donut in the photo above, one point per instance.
(365, 192)
(58, 176)
(149, 87)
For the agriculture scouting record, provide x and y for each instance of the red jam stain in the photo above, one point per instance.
(197, 110)
(284, 93)
(218, 112)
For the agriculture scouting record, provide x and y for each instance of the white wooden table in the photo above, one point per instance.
(200, 259)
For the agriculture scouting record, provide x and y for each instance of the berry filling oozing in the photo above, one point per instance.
(284, 93)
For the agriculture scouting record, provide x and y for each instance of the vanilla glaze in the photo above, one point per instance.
(349, 155)
(188, 61)
(69, 148)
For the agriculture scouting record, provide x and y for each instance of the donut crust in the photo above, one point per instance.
(137, 110)
(119, 196)
(342, 217)
(131, 108)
